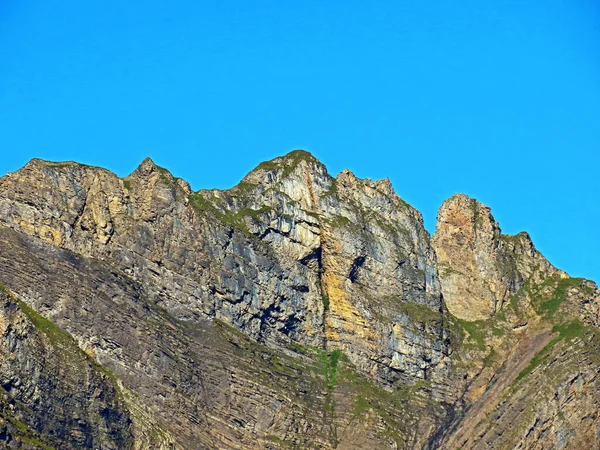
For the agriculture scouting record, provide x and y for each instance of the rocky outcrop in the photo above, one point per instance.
(294, 310)
(368, 258)
(480, 268)
(466, 243)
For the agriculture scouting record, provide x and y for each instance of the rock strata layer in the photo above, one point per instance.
(295, 310)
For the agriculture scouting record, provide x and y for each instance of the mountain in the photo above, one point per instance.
(295, 310)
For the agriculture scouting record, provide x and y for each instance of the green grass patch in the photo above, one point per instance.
(538, 358)
(420, 313)
(268, 165)
(338, 221)
(67, 348)
(296, 157)
(244, 188)
(4, 290)
(37, 442)
(21, 426)
(476, 330)
(513, 239)
(403, 402)
(568, 331)
(498, 331)
(56, 335)
(330, 361)
(201, 204)
(26, 434)
(292, 159)
(361, 405)
(58, 165)
(563, 285)
(281, 442)
(165, 175)
(571, 330)
(234, 219)
(490, 359)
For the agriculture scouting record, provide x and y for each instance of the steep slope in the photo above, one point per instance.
(293, 310)
(183, 384)
(47, 382)
(534, 356)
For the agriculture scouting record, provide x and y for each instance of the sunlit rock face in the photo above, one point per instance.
(479, 267)
(466, 242)
(294, 310)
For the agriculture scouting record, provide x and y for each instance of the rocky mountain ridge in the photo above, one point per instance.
(295, 310)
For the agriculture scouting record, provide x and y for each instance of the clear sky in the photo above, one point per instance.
(496, 99)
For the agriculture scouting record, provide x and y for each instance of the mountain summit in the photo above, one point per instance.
(294, 310)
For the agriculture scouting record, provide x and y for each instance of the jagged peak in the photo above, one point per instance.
(144, 170)
(292, 158)
(284, 165)
(147, 161)
(38, 162)
(347, 178)
(479, 266)
(384, 185)
(274, 171)
(466, 214)
(462, 211)
(148, 167)
(478, 215)
(460, 200)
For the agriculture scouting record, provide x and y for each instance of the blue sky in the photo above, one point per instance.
(497, 99)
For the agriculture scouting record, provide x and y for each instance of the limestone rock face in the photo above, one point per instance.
(294, 310)
(479, 267)
(366, 253)
(466, 243)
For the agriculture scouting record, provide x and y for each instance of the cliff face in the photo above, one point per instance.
(293, 310)
(480, 268)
